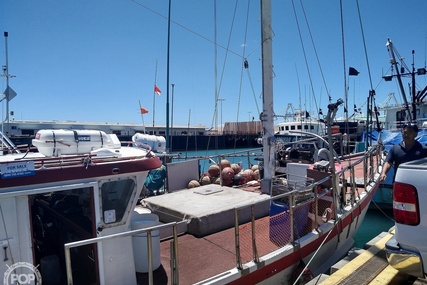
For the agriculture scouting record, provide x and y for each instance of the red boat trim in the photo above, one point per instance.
(52, 175)
(280, 265)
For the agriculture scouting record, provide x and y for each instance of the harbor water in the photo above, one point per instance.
(243, 156)
(375, 222)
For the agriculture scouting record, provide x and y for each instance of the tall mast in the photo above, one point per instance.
(267, 114)
(154, 93)
(399, 78)
(167, 81)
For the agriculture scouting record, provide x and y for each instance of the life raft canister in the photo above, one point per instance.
(66, 142)
(157, 143)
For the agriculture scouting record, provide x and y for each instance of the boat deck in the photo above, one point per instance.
(206, 244)
(208, 213)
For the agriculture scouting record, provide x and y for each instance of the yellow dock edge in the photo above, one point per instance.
(384, 277)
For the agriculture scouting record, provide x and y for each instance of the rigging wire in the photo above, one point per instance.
(218, 89)
(226, 48)
(216, 76)
(305, 54)
(372, 91)
(245, 66)
(187, 29)
(346, 125)
(317, 56)
(242, 68)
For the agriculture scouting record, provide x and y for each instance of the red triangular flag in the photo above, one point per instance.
(157, 90)
(144, 111)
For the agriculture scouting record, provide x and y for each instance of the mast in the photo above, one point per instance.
(267, 114)
(6, 71)
(399, 74)
(167, 81)
(154, 93)
(389, 44)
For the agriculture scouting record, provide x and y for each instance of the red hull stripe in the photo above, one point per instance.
(280, 265)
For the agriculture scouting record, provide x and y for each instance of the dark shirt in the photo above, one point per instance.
(398, 154)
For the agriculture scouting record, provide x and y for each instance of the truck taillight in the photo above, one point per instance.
(405, 204)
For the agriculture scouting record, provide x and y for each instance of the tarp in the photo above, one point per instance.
(390, 138)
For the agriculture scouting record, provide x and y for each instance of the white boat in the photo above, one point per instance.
(74, 219)
(299, 121)
(56, 196)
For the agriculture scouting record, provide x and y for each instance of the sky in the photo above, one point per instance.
(98, 60)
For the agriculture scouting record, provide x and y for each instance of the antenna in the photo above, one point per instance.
(9, 94)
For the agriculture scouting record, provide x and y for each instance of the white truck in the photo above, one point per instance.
(407, 249)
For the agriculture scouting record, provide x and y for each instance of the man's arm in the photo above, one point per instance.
(386, 168)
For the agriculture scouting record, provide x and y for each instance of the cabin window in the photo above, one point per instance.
(27, 132)
(292, 127)
(400, 115)
(311, 127)
(115, 196)
(299, 127)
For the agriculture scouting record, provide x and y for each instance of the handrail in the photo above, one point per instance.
(8, 143)
(366, 159)
(148, 230)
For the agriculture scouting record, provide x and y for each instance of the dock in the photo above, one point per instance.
(367, 266)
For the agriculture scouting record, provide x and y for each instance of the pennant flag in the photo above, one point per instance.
(157, 90)
(144, 111)
(353, 71)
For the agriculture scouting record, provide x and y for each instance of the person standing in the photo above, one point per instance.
(409, 149)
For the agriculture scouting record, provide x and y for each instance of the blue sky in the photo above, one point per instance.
(95, 60)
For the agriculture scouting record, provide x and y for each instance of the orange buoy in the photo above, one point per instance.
(248, 174)
(227, 174)
(236, 168)
(213, 170)
(205, 180)
(193, 184)
(225, 163)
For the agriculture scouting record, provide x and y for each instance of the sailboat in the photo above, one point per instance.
(69, 212)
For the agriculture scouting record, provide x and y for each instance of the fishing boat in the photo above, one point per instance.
(70, 212)
(299, 120)
(395, 115)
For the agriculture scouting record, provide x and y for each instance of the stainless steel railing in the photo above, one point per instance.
(174, 256)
